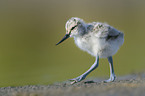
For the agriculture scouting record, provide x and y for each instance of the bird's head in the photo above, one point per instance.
(74, 27)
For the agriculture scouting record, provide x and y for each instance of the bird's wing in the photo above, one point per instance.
(103, 30)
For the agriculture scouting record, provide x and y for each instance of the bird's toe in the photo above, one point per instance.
(77, 79)
(111, 79)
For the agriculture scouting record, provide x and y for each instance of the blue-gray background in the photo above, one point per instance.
(29, 30)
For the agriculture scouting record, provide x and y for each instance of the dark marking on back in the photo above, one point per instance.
(111, 37)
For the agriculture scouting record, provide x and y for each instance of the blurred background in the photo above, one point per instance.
(29, 30)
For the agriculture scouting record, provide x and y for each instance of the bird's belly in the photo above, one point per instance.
(100, 47)
(107, 50)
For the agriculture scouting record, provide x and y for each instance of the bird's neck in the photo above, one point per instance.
(82, 31)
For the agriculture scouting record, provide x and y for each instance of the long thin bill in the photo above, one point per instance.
(64, 38)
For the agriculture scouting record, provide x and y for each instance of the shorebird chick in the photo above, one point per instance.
(98, 39)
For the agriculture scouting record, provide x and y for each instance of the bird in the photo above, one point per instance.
(98, 39)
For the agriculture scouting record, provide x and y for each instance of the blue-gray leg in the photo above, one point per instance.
(83, 76)
(112, 74)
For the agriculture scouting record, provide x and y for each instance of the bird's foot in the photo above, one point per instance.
(111, 79)
(77, 79)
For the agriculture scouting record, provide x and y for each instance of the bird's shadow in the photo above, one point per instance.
(89, 82)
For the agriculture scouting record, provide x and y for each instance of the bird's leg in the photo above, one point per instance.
(83, 76)
(112, 74)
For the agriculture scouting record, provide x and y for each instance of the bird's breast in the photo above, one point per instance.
(87, 44)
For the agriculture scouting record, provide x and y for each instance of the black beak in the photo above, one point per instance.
(64, 38)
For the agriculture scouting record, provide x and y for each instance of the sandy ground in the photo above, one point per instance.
(131, 85)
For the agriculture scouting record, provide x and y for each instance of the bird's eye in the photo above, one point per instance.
(73, 27)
